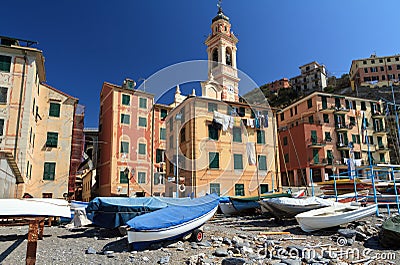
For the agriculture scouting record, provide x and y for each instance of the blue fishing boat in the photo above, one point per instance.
(172, 222)
(111, 212)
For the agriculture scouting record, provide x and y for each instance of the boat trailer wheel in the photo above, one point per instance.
(197, 235)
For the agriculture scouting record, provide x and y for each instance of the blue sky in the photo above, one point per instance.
(88, 42)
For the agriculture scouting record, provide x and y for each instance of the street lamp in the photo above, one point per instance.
(126, 172)
(178, 117)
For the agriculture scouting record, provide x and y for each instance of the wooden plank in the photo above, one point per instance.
(274, 233)
(33, 234)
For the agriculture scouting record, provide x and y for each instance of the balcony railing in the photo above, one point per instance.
(343, 127)
(315, 142)
(341, 110)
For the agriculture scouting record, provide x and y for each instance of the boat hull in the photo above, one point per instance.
(142, 239)
(227, 208)
(34, 207)
(333, 216)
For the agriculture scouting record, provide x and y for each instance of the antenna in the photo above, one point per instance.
(219, 4)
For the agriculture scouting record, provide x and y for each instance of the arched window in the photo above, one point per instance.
(228, 56)
(215, 57)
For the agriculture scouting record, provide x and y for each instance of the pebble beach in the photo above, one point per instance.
(252, 239)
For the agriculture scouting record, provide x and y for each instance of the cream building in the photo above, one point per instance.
(35, 121)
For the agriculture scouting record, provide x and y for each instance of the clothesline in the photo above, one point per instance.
(227, 121)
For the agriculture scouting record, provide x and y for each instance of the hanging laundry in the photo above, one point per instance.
(251, 153)
(218, 117)
(257, 123)
(231, 122)
(266, 120)
(245, 122)
(251, 123)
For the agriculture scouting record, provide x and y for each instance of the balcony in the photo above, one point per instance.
(377, 115)
(379, 131)
(365, 147)
(341, 110)
(381, 148)
(325, 109)
(315, 143)
(342, 146)
(319, 162)
(341, 127)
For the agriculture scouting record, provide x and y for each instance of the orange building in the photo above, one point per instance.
(277, 85)
(315, 132)
(131, 142)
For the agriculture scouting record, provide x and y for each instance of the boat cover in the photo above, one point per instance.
(111, 212)
(390, 233)
(302, 202)
(175, 215)
(224, 199)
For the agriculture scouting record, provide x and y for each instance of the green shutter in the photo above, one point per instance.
(124, 147)
(142, 122)
(213, 159)
(141, 177)
(239, 189)
(237, 134)
(314, 137)
(49, 171)
(212, 133)
(263, 188)
(212, 107)
(123, 178)
(143, 103)
(163, 114)
(52, 139)
(163, 134)
(54, 110)
(237, 161)
(262, 162)
(160, 155)
(260, 137)
(215, 188)
(142, 149)
(126, 100)
(5, 63)
(125, 119)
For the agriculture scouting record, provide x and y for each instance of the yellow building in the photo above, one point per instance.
(224, 145)
(35, 121)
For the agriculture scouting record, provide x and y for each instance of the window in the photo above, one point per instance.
(27, 170)
(163, 114)
(215, 188)
(163, 134)
(314, 138)
(237, 161)
(54, 109)
(3, 95)
(347, 103)
(183, 135)
(355, 138)
(326, 118)
(328, 137)
(291, 112)
(282, 116)
(264, 188)
(123, 178)
(388, 59)
(260, 137)
(143, 103)
(311, 119)
(364, 62)
(381, 157)
(160, 155)
(372, 61)
(1, 127)
(142, 149)
(213, 159)
(126, 100)
(5, 63)
(382, 68)
(158, 179)
(352, 121)
(374, 69)
(124, 147)
(239, 189)
(398, 67)
(212, 132)
(286, 157)
(52, 139)
(141, 177)
(295, 110)
(357, 155)
(366, 70)
(125, 119)
(212, 107)
(47, 195)
(309, 103)
(142, 122)
(363, 105)
(237, 134)
(383, 77)
(49, 170)
(262, 162)
(285, 141)
(389, 67)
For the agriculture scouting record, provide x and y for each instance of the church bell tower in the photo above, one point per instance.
(223, 81)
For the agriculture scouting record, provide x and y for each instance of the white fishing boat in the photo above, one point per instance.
(172, 222)
(34, 207)
(289, 207)
(333, 216)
